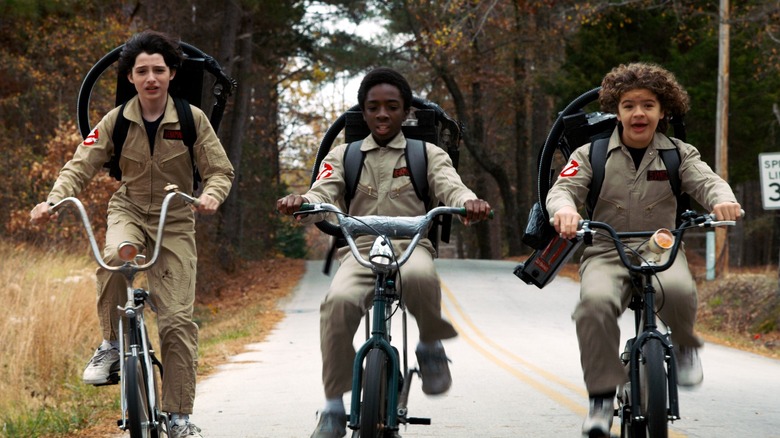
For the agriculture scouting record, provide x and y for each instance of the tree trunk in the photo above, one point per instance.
(230, 230)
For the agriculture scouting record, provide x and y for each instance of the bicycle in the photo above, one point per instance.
(384, 386)
(139, 393)
(649, 400)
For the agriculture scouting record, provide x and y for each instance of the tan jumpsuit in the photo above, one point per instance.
(631, 200)
(385, 188)
(133, 215)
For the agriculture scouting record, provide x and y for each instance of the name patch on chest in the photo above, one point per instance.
(398, 173)
(657, 175)
(173, 134)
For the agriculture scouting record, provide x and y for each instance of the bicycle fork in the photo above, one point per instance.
(379, 339)
(637, 344)
(137, 345)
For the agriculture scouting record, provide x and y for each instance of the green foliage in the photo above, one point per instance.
(686, 44)
(291, 239)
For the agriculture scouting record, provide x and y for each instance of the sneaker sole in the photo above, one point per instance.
(112, 379)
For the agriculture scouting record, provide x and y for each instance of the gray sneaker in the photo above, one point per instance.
(104, 363)
(331, 425)
(599, 420)
(187, 430)
(689, 371)
(434, 369)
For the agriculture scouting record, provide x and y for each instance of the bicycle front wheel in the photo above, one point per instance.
(373, 409)
(654, 389)
(138, 420)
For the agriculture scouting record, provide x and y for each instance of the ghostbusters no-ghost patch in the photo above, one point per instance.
(92, 138)
(571, 169)
(326, 172)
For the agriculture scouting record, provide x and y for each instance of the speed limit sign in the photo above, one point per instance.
(770, 180)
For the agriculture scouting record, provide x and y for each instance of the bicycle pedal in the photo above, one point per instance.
(416, 420)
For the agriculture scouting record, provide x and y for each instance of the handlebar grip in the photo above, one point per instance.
(306, 207)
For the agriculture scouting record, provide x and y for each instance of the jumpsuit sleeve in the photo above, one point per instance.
(329, 184)
(213, 163)
(444, 181)
(89, 158)
(700, 181)
(573, 183)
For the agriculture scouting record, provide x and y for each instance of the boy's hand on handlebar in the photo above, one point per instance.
(566, 221)
(207, 204)
(476, 210)
(727, 211)
(290, 203)
(41, 213)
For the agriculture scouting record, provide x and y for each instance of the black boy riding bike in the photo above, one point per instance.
(381, 376)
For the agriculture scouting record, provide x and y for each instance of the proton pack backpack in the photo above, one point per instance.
(430, 124)
(189, 136)
(573, 128)
(186, 88)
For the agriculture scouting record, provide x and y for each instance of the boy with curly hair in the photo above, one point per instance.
(636, 196)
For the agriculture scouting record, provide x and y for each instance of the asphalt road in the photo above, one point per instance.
(515, 368)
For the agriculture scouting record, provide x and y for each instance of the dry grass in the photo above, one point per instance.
(49, 328)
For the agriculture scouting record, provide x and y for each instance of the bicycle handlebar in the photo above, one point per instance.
(173, 191)
(414, 227)
(691, 219)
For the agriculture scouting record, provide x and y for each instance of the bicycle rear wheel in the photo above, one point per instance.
(652, 371)
(373, 409)
(138, 420)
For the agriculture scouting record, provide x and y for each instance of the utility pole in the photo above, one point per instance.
(722, 128)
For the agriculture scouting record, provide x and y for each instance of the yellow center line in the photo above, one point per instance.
(556, 396)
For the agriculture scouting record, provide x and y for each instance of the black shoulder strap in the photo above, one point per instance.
(353, 166)
(417, 162)
(187, 124)
(118, 138)
(671, 159)
(598, 162)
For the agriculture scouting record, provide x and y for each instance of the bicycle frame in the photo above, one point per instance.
(384, 264)
(380, 338)
(646, 323)
(135, 341)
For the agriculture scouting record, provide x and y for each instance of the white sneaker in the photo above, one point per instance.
(186, 430)
(104, 363)
(599, 420)
(689, 371)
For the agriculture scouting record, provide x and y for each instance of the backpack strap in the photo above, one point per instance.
(671, 159)
(353, 167)
(118, 138)
(597, 154)
(187, 124)
(417, 162)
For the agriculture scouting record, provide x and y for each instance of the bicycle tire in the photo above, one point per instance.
(654, 398)
(154, 410)
(138, 420)
(373, 409)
